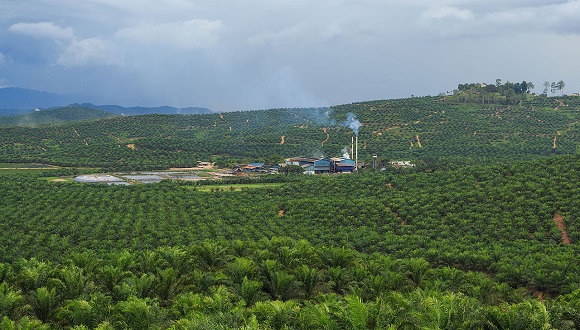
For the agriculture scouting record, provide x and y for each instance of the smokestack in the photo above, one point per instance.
(356, 155)
(352, 148)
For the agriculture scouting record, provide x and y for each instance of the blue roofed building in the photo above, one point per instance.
(317, 166)
(342, 164)
(323, 165)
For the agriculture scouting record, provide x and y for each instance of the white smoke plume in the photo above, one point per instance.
(345, 153)
(353, 123)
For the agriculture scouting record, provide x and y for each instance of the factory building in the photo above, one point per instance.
(342, 164)
(323, 165)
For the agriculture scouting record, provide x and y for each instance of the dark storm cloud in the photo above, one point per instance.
(256, 54)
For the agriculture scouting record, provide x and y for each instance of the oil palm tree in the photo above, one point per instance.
(241, 268)
(11, 302)
(74, 282)
(309, 279)
(33, 274)
(281, 285)
(277, 314)
(317, 316)
(136, 313)
(211, 255)
(78, 312)
(529, 314)
(168, 283)
(44, 303)
(24, 323)
(416, 270)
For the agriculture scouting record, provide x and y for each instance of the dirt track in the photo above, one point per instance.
(327, 136)
(559, 220)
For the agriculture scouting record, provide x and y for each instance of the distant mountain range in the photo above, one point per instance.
(17, 101)
(21, 99)
(131, 111)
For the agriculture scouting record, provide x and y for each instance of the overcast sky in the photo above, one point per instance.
(257, 54)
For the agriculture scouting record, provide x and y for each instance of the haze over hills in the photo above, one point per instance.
(16, 98)
(17, 101)
(132, 111)
(55, 115)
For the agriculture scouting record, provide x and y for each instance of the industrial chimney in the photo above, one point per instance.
(356, 154)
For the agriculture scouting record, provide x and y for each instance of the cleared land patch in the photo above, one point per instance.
(559, 220)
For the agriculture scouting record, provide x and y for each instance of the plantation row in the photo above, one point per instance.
(497, 219)
(415, 129)
(275, 283)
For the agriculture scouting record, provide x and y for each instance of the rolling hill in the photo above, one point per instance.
(426, 129)
(54, 115)
(488, 240)
(132, 111)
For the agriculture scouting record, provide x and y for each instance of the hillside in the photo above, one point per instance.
(132, 111)
(14, 112)
(431, 130)
(54, 115)
(454, 249)
(483, 234)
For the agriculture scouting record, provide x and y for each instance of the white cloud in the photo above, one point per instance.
(306, 34)
(148, 8)
(92, 51)
(190, 34)
(282, 36)
(500, 19)
(448, 12)
(42, 30)
(2, 58)
(565, 17)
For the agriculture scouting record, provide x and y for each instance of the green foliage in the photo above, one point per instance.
(476, 218)
(434, 130)
(276, 299)
(136, 313)
(11, 301)
(44, 303)
(438, 246)
(292, 169)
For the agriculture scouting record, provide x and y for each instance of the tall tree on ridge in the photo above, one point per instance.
(546, 86)
(560, 86)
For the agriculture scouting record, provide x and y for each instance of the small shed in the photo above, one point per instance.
(253, 167)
